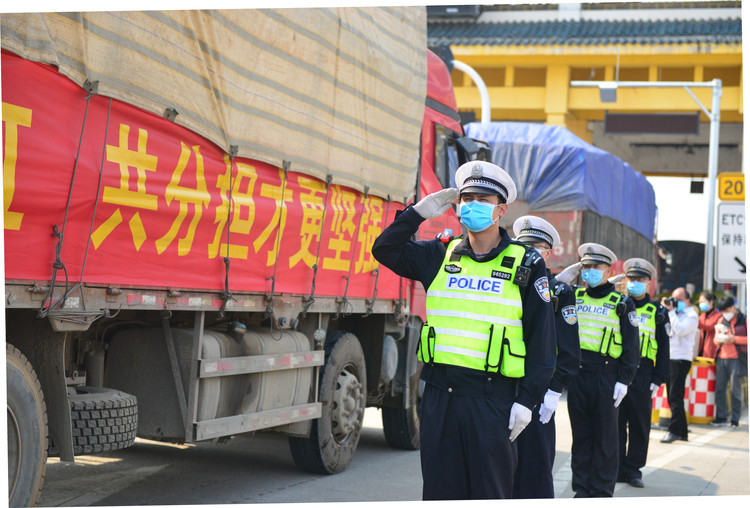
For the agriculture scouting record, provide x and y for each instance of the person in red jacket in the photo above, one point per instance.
(708, 319)
(731, 339)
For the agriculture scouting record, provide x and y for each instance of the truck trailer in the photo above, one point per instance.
(190, 199)
(588, 194)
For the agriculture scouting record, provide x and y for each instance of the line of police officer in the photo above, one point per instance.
(501, 339)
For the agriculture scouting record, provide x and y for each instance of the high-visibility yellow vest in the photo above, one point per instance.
(598, 323)
(647, 331)
(474, 313)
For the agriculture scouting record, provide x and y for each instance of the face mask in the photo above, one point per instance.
(592, 276)
(680, 306)
(728, 315)
(703, 306)
(636, 288)
(477, 216)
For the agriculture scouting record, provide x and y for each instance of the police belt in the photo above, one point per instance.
(469, 382)
(594, 362)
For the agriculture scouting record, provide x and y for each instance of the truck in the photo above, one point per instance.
(586, 193)
(190, 199)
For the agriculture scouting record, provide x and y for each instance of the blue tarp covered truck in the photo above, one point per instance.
(588, 194)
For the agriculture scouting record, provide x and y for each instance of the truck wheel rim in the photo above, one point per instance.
(14, 455)
(347, 405)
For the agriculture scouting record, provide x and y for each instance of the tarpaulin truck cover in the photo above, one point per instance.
(555, 170)
(336, 92)
(588, 194)
(150, 202)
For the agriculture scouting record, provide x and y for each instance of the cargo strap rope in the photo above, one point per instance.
(226, 295)
(311, 299)
(345, 301)
(49, 307)
(269, 306)
(376, 271)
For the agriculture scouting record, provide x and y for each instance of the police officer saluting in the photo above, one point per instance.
(608, 333)
(488, 346)
(635, 410)
(536, 444)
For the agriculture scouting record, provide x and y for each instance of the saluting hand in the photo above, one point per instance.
(569, 274)
(436, 203)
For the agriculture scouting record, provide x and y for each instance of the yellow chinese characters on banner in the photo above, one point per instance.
(123, 196)
(243, 210)
(162, 207)
(13, 118)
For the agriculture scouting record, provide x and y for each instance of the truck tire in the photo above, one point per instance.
(343, 393)
(401, 425)
(103, 419)
(27, 431)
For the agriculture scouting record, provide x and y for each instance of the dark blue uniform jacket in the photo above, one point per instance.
(421, 261)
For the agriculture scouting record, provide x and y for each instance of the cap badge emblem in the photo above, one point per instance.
(476, 170)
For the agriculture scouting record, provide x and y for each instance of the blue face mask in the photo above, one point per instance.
(592, 276)
(680, 306)
(477, 216)
(703, 306)
(635, 288)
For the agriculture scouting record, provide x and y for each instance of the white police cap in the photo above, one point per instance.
(595, 253)
(533, 229)
(639, 267)
(485, 178)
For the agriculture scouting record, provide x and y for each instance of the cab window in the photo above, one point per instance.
(446, 157)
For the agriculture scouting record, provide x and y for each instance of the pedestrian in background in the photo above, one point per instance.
(608, 335)
(731, 341)
(488, 345)
(707, 322)
(536, 444)
(683, 325)
(635, 411)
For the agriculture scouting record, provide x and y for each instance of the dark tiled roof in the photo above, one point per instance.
(586, 32)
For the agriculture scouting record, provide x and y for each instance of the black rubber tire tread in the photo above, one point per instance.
(28, 411)
(103, 419)
(320, 453)
(401, 425)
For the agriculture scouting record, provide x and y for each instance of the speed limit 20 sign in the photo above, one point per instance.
(731, 186)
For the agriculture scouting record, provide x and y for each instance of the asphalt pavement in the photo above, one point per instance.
(259, 470)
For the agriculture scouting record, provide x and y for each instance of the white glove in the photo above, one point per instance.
(654, 389)
(617, 278)
(520, 416)
(620, 391)
(436, 203)
(549, 406)
(569, 274)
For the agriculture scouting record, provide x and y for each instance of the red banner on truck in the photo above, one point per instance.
(135, 199)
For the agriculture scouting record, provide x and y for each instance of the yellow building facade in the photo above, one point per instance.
(531, 81)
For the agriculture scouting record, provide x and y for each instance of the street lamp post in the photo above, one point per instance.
(608, 91)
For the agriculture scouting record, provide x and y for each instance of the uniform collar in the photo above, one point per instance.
(601, 290)
(643, 301)
(464, 248)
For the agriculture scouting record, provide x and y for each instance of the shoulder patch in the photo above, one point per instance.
(633, 318)
(542, 287)
(569, 314)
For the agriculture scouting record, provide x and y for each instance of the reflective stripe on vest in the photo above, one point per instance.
(474, 314)
(598, 323)
(647, 331)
